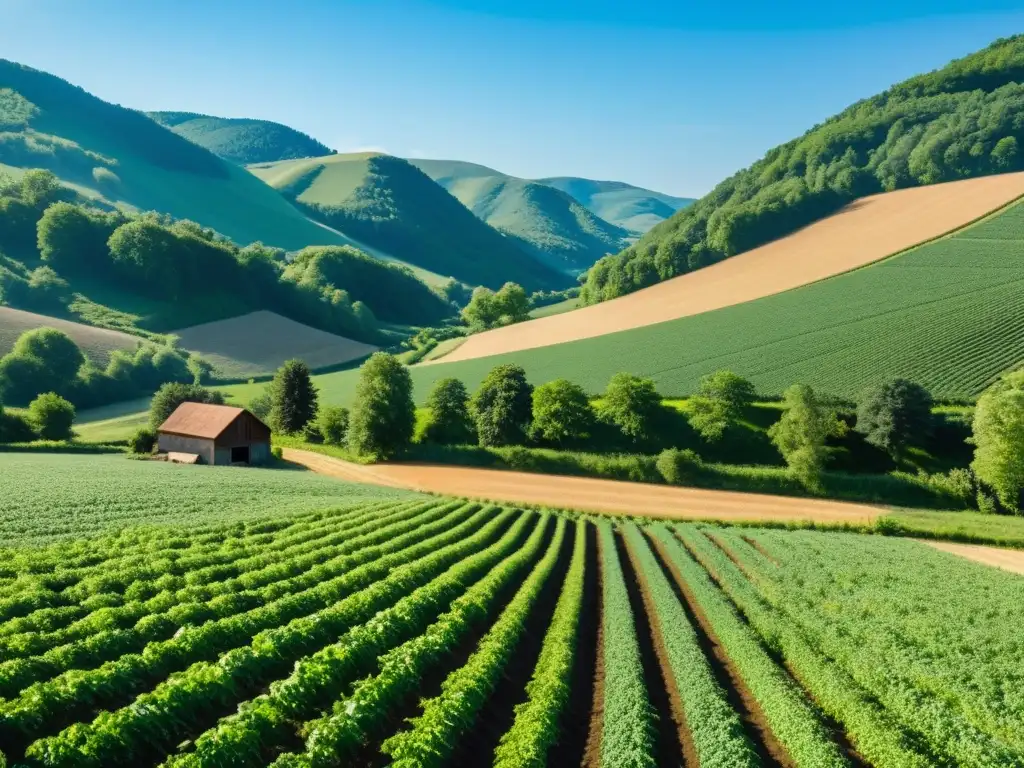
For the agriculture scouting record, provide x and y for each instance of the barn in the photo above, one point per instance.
(216, 434)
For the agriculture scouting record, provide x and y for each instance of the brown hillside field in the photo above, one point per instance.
(257, 344)
(864, 231)
(587, 493)
(95, 343)
(1008, 559)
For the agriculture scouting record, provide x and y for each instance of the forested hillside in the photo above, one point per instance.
(392, 205)
(242, 140)
(960, 121)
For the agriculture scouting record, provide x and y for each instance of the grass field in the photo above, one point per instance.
(863, 232)
(96, 343)
(258, 343)
(418, 631)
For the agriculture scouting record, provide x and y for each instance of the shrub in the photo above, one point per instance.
(311, 433)
(277, 452)
(893, 414)
(143, 441)
(171, 395)
(561, 413)
(260, 406)
(383, 415)
(52, 416)
(632, 404)
(502, 407)
(801, 433)
(449, 421)
(719, 403)
(42, 360)
(679, 467)
(14, 427)
(488, 309)
(293, 398)
(333, 424)
(999, 440)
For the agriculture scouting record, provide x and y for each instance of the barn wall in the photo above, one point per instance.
(223, 457)
(259, 453)
(167, 443)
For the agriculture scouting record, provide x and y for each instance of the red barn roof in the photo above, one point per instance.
(201, 420)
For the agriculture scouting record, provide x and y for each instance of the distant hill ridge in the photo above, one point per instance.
(242, 140)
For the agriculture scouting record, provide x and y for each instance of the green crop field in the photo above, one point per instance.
(949, 315)
(359, 627)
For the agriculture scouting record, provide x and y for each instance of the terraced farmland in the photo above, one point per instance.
(420, 631)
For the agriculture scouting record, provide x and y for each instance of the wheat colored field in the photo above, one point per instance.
(96, 343)
(864, 231)
(257, 344)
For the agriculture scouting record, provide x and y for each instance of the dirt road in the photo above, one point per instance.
(864, 231)
(1008, 559)
(587, 494)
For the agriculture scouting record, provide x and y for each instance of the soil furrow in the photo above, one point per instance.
(673, 744)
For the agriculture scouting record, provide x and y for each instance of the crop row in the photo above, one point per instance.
(713, 725)
(958, 709)
(255, 609)
(73, 695)
(538, 720)
(791, 718)
(445, 718)
(245, 738)
(627, 731)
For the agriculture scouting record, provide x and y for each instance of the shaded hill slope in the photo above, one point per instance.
(391, 204)
(242, 140)
(865, 231)
(957, 122)
(554, 225)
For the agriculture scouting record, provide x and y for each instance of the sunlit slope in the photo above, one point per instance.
(391, 204)
(124, 157)
(633, 208)
(864, 231)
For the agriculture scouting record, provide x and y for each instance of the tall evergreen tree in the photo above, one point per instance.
(293, 398)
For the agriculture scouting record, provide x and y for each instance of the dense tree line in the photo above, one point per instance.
(961, 121)
(151, 255)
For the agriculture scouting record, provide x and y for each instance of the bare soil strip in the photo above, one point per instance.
(673, 744)
(476, 748)
(1011, 560)
(864, 231)
(580, 740)
(589, 494)
(768, 748)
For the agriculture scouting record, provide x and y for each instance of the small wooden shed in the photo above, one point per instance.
(217, 434)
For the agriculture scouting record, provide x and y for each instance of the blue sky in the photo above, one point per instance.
(670, 95)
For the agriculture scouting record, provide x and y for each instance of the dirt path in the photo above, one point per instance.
(864, 231)
(588, 494)
(1007, 559)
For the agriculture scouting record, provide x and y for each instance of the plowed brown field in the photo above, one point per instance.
(864, 231)
(587, 494)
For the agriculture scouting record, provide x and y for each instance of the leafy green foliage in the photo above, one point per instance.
(332, 423)
(679, 466)
(52, 416)
(561, 413)
(383, 415)
(293, 398)
(999, 440)
(487, 309)
(143, 441)
(801, 433)
(954, 123)
(449, 421)
(719, 403)
(895, 415)
(502, 408)
(242, 140)
(632, 404)
(171, 395)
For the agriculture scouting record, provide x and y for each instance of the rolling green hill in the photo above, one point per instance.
(949, 315)
(121, 156)
(242, 140)
(618, 203)
(957, 122)
(554, 225)
(391, 204)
